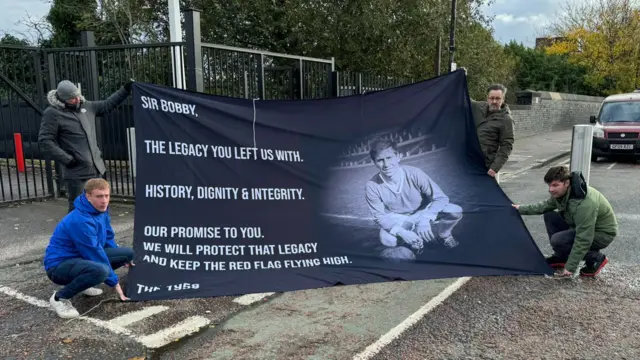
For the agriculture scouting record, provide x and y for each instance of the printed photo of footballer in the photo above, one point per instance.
(391, 192)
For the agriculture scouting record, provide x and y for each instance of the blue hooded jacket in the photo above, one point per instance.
(83, 233)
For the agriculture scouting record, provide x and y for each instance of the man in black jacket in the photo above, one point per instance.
(68, 133)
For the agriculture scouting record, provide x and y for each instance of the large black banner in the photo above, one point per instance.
(237, 196)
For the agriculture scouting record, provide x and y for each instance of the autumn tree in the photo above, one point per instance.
(602, 36)
(537, 70)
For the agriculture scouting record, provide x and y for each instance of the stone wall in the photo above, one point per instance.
(539, 112)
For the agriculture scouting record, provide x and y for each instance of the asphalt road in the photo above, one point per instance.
(544, 318)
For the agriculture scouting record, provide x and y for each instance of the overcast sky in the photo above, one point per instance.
(521, 20)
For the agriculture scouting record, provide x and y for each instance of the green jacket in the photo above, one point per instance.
(592, 218)
(495, 133)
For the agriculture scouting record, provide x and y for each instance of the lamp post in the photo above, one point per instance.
(452, 35)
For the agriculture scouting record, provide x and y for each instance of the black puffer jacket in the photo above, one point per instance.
(70, 134)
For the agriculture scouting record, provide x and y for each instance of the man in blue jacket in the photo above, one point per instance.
(82, 251)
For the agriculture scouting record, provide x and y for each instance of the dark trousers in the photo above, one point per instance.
(561, 238)
(75, 187)
(77, 275)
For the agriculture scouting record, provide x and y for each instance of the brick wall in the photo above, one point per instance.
(538, 112)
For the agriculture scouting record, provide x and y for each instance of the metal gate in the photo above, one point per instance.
(28, 73)
(25, 174)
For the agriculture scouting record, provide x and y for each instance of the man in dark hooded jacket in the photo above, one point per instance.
(494, 126)
(68, 133)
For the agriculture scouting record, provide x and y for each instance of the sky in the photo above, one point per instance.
(519, 20)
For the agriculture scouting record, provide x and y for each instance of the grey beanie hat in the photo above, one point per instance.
(67, 90)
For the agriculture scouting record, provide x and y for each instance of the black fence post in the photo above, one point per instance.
(438, 57)
(53, 83)
(261, 85)
(88, 40)
(334, 84)
(195, 78)
(296, 91)
(40, 90)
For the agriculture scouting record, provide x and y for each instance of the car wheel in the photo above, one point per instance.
(594, 158)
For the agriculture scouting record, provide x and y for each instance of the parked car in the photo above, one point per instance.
(616, 127)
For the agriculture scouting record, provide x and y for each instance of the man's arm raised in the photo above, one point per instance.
(103, 107)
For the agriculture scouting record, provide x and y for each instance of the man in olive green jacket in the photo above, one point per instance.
(583, 225)
(494, 126)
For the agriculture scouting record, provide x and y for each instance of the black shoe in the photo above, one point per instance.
(555, 262)
(593, 269)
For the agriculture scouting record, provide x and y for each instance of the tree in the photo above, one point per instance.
(602, 36)
(382, 37)
(537, 70)
(68, 18)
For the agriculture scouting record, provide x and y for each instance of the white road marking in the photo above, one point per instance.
(611, 166)
(45, 304)
(107, 325)
(633, 217)
(176, 332)
(135, 316)
(394, 333)
(20, 296)
(518, 157)
(565, 161)
(251, 298)
(117, 325)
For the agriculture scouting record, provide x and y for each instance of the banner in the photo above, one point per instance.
(237, 196)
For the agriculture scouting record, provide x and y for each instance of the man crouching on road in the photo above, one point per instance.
(82, 251)
(583, 225)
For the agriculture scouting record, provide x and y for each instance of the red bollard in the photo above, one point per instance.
(17, 141)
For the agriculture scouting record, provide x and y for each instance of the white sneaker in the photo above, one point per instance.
(92, 292)
(63, 307)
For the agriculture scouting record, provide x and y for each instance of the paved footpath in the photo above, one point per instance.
(332, 323)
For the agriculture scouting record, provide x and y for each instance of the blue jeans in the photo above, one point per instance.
(79, 274)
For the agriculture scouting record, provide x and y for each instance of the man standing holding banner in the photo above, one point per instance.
(68, 133)
(494, 126)
(583, 225)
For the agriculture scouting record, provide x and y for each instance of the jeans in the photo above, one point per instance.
(79, 274)
(561, 238)
(75, 188)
